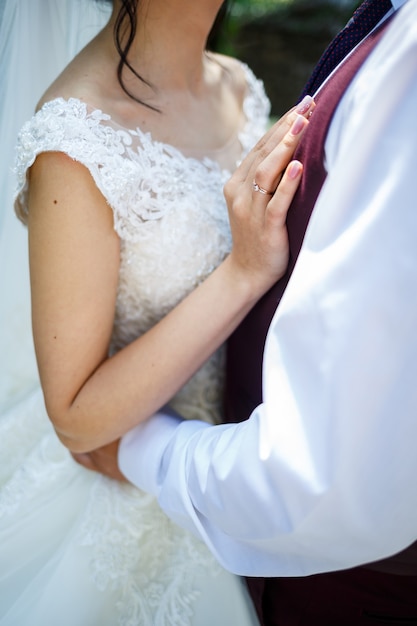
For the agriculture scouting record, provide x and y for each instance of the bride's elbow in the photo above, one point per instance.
(73, 445)
(77, 446)
(72, 429)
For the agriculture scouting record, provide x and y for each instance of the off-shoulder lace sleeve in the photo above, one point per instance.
(88, 137)
(66, 126)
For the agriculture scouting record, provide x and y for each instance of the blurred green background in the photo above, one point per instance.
(281, 40)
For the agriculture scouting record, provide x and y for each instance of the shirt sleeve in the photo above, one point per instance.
(323, 474)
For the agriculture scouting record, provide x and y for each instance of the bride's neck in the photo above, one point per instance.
(168, 50)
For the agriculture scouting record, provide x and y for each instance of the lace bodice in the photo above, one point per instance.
(169, 212)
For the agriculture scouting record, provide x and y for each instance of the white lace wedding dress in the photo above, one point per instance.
(78, 549)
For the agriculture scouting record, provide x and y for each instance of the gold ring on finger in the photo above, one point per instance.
(256, 187)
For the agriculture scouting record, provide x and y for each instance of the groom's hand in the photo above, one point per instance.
(102, 460)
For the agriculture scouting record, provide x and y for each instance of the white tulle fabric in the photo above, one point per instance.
(75, 547)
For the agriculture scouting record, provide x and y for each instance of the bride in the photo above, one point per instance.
(134, 289)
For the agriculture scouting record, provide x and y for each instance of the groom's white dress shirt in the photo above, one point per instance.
(323, 475)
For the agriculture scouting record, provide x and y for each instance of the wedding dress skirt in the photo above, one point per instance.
(76, 548)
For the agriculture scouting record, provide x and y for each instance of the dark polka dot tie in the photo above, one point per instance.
(364, 19)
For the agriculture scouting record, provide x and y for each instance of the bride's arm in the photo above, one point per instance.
(74, 262)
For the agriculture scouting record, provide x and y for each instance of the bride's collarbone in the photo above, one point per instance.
(195, 126)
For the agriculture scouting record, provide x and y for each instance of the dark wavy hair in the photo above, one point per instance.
(124, 34)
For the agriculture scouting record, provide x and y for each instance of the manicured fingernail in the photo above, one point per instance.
(304, 105)
(294, 169)
(298, 125)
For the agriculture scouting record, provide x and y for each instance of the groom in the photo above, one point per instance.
(340, 598)
(194, 469)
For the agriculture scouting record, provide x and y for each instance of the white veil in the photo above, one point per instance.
(37, 39)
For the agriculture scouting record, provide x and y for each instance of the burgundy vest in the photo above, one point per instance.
(246, 345)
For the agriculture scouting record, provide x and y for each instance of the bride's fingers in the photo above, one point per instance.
(273, 137)
(277, 208)
(263, 173)
(251, 195)
(267, 173)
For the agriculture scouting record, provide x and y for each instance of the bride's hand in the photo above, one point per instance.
(102, 460)
(258, 196)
